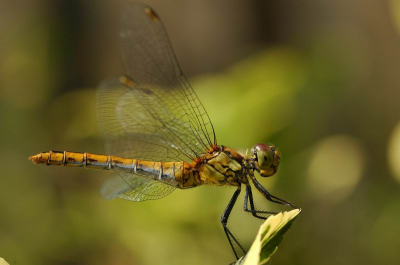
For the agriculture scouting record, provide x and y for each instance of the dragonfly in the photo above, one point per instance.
(158, 135)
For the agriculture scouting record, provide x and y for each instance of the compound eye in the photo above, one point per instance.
(262, 147)
(264, 155)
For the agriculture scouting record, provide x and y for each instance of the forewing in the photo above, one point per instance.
(151, 63)
(151, 113)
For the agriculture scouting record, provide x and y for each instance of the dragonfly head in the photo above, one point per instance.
(266, 158)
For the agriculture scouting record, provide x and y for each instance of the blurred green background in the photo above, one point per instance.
(320, 79)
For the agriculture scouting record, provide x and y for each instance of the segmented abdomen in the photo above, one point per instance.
(179, 174)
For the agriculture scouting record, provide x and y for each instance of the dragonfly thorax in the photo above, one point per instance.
(220, 166)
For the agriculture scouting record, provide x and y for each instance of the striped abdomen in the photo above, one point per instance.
(180, 174)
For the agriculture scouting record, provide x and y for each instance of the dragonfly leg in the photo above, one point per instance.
(258, 214)
(269, 196)
(224, 222)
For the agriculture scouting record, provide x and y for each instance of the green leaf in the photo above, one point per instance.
(3, 262)
(268, 238)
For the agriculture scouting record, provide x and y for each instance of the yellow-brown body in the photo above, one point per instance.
(221, 166)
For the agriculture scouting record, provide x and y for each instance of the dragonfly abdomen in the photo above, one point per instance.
(169, 172)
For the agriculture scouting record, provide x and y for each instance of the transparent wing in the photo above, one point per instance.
(151, 63)
(130, 129)
(134, 187)
(151, 113)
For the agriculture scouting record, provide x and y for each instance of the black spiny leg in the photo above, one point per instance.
(224, 221)
(269, 196)
(258, 214)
